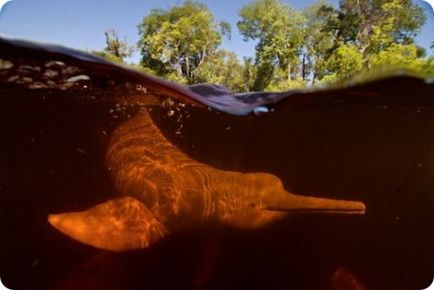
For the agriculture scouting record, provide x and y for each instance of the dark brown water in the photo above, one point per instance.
(372, 142)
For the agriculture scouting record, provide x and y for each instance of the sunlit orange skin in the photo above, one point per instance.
(178, 189)
(343, 279)
(165, 191)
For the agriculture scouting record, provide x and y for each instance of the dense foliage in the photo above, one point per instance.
(321, 44)
(176, 42)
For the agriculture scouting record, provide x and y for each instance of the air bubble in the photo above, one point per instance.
(261, 111)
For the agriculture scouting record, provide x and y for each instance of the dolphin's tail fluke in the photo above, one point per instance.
(116, 225)
(297, 203)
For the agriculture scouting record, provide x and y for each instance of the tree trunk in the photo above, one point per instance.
(178, 67)
(187, 64)
(303, 67)
(289, 71)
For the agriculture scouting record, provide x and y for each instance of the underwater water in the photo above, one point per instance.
(63, 114)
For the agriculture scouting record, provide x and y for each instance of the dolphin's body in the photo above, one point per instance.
(163, 190)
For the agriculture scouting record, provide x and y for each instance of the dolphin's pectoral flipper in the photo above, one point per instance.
(116, 225)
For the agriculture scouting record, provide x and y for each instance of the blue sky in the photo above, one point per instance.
(81, 23)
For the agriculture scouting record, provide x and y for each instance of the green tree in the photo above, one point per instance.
(344, 62)
(373, 25)
(249, 72)
(428, 67)
(398, 56)
(116, 50)
(222, 68)
(372, 33)
(319, 41)
(115, 46)
(176, 42)
(279, 85)
(279, 30)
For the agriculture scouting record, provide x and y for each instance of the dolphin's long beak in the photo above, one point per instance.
(296, 203)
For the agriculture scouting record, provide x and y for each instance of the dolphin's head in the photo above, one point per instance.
(274, 197)
(270, 195)
(261, 198)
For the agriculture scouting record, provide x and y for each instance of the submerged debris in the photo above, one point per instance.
(78, 78)
(80, 150)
